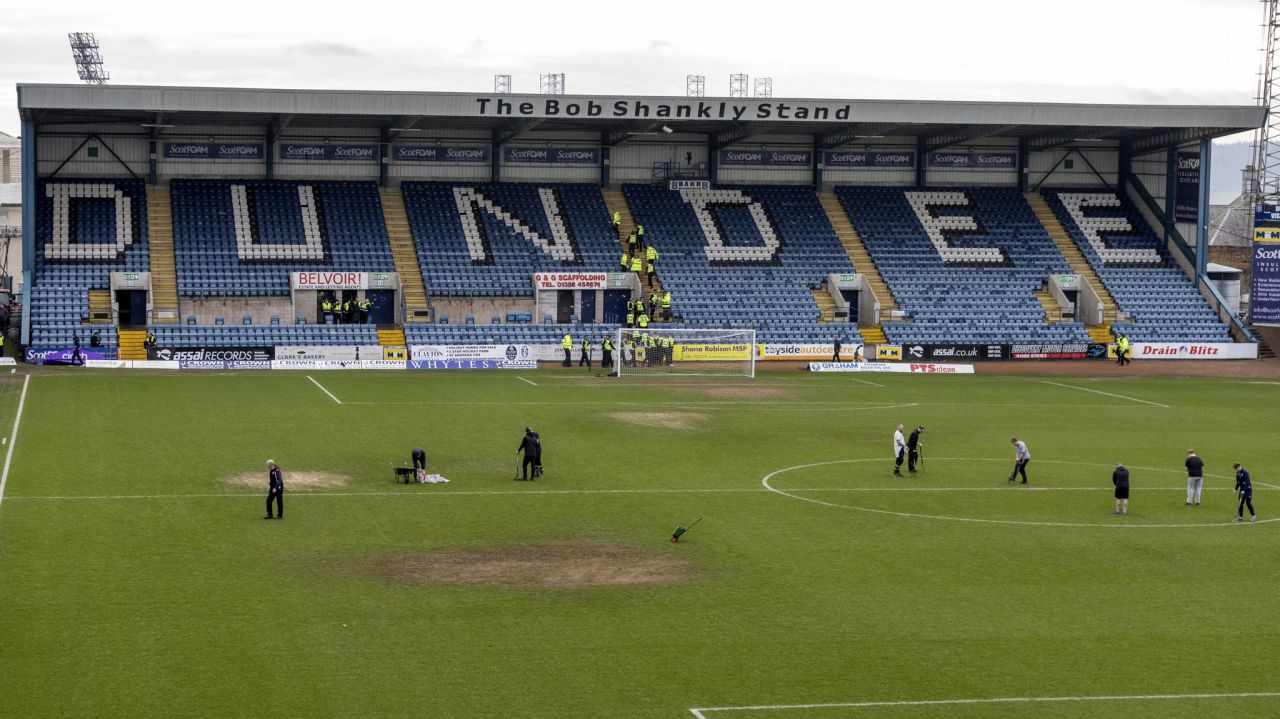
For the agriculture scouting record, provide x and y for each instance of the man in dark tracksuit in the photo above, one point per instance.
(835, 351)
(1244, 492)
(913, 448)
(419, 458)
(275, 490)
(531, 445)
(1120, 479)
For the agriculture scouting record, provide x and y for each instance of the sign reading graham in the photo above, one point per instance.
(663, 108)
(551, 155)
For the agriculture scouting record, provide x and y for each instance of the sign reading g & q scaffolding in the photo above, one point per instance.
(571, 280)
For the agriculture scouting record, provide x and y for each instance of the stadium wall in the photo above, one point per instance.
(957, 178)
(1106, 160)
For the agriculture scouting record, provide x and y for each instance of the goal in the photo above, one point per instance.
(674, 352)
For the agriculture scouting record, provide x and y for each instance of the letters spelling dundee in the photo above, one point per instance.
(701, 110)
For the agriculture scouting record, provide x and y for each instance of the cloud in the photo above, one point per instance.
(328, 48)
(656, 45)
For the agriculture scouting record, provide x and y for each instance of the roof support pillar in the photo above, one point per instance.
(384, 157)
(1024, 165)
(1202, 216)
(495, 147)
(817, 164)
(922, 159)
(606, 158)
(713, 160)
(30, 179)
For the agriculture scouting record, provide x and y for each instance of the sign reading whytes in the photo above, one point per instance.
(571, 280)
(340, 280)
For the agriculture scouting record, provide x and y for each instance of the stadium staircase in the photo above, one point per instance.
(826, 306)
(1052, 312)
(391, 336)
(616, 201)
(131, 344)
(861, 260)
(99, 307)
(164, 270)
(405, 256)
(1265, 350)
(1075, 259)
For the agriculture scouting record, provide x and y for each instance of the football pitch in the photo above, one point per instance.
(139, 579)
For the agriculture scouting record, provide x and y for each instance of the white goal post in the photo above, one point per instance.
(670, 352)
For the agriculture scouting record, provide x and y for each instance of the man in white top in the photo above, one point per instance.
(1020, 458)
(899, 451)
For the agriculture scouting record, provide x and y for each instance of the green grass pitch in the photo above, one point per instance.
(138, 579)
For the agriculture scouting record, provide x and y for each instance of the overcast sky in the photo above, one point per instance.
(1144, 51)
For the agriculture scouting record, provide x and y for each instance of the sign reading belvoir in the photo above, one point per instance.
(341, 280)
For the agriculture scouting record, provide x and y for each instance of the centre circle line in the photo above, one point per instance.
(981, 520)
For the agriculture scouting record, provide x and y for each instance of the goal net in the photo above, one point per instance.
(685, 352)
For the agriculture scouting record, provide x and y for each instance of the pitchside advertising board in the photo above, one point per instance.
(473, 357)
(1264, 289)
(767, 352)
(215, 357)
(1195, 351)
(66, 355)
(897, 367)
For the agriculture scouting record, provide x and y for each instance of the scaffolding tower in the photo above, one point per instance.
(695, 85)
(551, 84)
(1266, 146)
(738, 85)
(763, 87)
(502, 84)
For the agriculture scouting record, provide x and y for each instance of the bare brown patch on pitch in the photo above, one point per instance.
(566, 564)
(292, 480)
(748, 393)
(661, 420)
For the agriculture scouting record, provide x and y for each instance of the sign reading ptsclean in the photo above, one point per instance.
(341, 280)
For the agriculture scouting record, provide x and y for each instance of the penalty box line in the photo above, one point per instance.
(702, 712)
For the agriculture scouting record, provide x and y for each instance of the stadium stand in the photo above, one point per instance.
(487, 240)
(1160, 301)
(85, 230)
(242, 238)
(964, 264)
(264, 335)
(742, 257)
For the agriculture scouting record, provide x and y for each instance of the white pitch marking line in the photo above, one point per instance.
(1098, 391)
(8, 458)
(322, 389)
(972, 520)
(863, 381)
(699, 712)
(522, 379)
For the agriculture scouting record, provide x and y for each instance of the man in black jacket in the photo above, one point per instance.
(531, 445)
(275, 490)
(913, 448)
(1120, 479)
